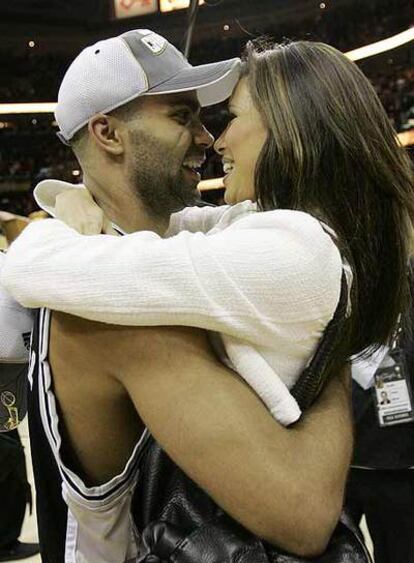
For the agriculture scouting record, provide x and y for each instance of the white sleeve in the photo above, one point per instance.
(192, 219)
(263, 277)
(46, 192)
(261, 377)
(204, 219)
(195, 219)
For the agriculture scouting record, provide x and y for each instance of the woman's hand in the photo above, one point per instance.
(79, 211)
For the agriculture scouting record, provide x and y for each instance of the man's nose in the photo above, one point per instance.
(202, 137)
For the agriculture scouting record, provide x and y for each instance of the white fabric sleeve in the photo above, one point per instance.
(192, 219)
(195, 219)
(16, 324)
(46, 192)
(271, 275)
(204, 219)
(261, 377)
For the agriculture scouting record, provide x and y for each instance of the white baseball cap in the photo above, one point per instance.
(114, 71)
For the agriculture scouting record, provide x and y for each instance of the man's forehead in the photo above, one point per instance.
(188, 99)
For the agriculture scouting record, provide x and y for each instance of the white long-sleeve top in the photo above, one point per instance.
(267, 282)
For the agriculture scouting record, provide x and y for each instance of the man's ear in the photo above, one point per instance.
(106, 133)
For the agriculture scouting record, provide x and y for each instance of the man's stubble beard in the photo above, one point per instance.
(158, 179)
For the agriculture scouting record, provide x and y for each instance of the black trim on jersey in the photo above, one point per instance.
(44, 331)
(51, 509)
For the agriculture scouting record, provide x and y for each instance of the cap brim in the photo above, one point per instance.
(213, 82)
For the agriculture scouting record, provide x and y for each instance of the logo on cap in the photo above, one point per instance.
(155, 43)
(26, 340)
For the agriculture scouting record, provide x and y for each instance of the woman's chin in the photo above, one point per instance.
(229, 194)
(227, 198)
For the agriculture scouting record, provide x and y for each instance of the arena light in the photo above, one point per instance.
(40, 107)
(133, 8)
(211, 184)
(406, 138)
(382, 46)
(171, 5)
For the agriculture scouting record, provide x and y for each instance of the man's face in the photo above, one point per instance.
(167, 144)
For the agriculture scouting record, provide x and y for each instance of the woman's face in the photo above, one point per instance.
(240, 144)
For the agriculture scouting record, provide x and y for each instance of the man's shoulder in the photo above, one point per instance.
(80, 342)
(83, 330)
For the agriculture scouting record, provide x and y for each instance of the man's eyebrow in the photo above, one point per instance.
(190, 104)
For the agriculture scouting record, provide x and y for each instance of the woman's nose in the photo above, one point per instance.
(219, 145)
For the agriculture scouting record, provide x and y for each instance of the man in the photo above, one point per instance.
(139, 162)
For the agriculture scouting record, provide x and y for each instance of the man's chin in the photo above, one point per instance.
(194, 196)
(191, 192)
(192, 176)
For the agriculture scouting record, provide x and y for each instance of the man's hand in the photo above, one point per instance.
(79, 211)
(284, 484)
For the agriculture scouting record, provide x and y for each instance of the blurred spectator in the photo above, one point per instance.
(12, 225)
(381, 484)
(15, 495)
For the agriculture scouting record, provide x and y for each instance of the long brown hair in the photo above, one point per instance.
(331, 151)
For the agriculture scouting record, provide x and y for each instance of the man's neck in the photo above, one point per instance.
(125, 210)
(131, 219)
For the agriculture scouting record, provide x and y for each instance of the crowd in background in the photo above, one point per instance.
(30, 151)
(396, 90)
(35, 77)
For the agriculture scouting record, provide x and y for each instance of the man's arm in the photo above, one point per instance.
(285, 485)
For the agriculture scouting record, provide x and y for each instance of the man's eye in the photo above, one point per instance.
(184, 117)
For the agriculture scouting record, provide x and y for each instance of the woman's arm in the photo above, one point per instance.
(249, 281)
(73, 204)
